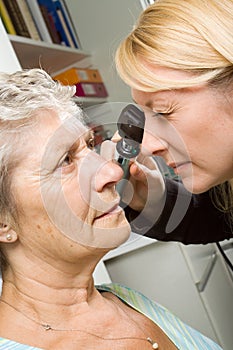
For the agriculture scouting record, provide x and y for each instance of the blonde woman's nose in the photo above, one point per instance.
(153, 145)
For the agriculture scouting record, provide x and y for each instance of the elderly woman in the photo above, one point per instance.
(59, 216)
(178, 61)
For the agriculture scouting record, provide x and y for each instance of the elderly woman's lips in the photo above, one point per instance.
(114, 210)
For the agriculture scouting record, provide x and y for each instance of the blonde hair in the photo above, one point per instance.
(194, 36)
(222, 197)
(189, 35)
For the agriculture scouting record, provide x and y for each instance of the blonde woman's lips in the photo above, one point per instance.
(177, 167)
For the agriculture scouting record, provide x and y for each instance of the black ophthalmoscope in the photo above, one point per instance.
(131, 128)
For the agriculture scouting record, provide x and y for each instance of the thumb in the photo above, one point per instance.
(138, 171)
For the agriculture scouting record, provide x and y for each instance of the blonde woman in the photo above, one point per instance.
(178, 61)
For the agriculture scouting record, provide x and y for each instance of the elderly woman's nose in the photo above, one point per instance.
(109, 173)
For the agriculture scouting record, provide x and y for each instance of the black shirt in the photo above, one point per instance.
(187, 218)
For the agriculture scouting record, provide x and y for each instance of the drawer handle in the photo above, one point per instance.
(206, 275)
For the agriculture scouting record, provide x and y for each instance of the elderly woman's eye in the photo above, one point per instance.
(67, 160)
(91, 143)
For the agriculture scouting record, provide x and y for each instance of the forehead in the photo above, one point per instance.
(50, 134)
(51, 129)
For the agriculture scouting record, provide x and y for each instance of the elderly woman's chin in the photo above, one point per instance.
(111, 237)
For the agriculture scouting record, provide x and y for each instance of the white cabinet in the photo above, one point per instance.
(215, 285)
(192, 281)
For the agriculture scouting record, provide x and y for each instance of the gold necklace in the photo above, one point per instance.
(48, 327)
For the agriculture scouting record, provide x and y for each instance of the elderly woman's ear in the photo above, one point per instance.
(7, 234)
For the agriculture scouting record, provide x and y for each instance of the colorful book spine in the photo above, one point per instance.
(91, 90)
(65, 18)
(6, 19)
(17, 18)
(64, 25)
(73, 27)
(78, 75)
(50, 25)
(39, 20)
(47, 20)
(50, 7)
(29, 21)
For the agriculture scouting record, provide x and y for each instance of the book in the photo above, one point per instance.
(65, 7)
(62, 11)
(50, 25)
(53, 16)
(29, 21)
(6, 19)
(77, 75)
(63, 22)
(39, 20)
(17, 18)
(91, 90)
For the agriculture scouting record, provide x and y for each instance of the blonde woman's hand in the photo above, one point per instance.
(145, 188)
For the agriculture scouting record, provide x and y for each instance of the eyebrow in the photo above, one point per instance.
(62, 143)
(149, 104)
(73, 141)
(86, 136)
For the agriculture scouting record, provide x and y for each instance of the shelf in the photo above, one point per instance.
(39, 54)
(85, 102)
(51, 57)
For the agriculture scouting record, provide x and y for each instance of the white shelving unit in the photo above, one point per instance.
(52, 57)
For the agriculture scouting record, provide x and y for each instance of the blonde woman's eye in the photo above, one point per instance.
(91, 144)
(162, 114)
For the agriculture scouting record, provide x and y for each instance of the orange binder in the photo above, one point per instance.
(74, 76)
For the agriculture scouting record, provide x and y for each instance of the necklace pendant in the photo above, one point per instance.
(46, 327)
(154, 345)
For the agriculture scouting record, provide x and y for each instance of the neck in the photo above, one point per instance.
(50, 289)
(44, 291)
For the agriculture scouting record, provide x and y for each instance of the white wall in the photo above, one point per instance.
(101, 25)
(8, 60)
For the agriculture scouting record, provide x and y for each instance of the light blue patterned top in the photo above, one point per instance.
(183, 336)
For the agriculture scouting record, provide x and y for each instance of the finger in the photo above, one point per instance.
(107, 150)
(142, 171)
(138, 171)
(116, 137)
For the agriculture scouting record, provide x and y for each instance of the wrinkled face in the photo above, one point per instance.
(192, 130)
(65, 189)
